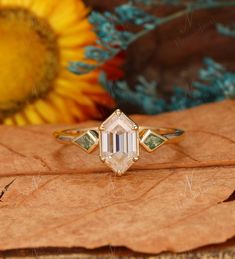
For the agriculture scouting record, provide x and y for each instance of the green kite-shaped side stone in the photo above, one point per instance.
(153, 141)
(85, 141)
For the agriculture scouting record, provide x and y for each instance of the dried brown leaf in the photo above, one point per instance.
(170, 200)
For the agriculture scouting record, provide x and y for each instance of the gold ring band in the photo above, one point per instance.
(68, 135)
(119, 139)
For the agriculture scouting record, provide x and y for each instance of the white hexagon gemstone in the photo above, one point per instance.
(119, 142)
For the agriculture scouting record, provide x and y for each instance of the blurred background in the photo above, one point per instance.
(173, 53)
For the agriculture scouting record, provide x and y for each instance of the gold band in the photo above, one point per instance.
(170, 134)
(67, 136)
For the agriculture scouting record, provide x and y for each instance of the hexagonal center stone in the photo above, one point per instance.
(119, 142)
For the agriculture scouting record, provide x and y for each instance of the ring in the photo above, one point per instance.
(119, 139)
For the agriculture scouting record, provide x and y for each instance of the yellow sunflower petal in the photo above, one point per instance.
(48, 113)
(82, 87)
(32, 115)
(67, 13)
(89, 77)
(72, 53)
(74, 40)
(21, 3)
(43, 8)
(82, 27)
(74, 91)
(76, 96)
(9, 122)
(20, 119)
(61, 105)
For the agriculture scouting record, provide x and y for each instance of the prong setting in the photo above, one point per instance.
(102, 159)
(119, 173)
(135, 127)
(135, 159)
(101, 128)
(118, 112)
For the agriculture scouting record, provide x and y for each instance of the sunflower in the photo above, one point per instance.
(38, 40)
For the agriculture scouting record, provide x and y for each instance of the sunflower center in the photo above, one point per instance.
(29, 58)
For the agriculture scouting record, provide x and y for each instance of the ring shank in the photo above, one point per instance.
(68, 135)
(171, 134)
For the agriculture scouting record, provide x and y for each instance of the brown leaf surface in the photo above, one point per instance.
(171, 199)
